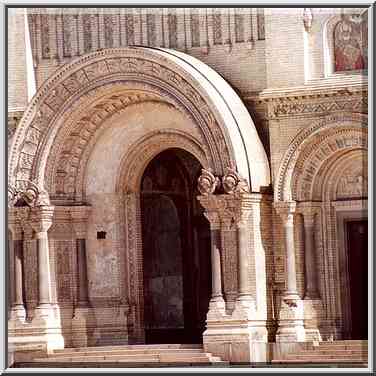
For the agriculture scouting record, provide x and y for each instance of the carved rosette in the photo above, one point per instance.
(233, 183)
(207, 182)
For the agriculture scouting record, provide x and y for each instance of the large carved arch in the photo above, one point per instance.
(70, 108)
(311, 149)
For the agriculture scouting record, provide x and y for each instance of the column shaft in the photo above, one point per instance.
(243, 262)
(44, 278)
(310, 261)
(18, 273)
(83, 296)
(290, 255)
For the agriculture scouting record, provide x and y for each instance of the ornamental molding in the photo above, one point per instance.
(318, 131)
(135, 161)
(312, 100)
(40, 123)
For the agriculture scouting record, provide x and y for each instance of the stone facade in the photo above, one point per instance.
(281, 143)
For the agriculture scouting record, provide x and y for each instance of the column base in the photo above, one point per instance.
(313, 316)
(18, 313)
(291, 320)
(245, 308)
(46, 312)
(237, 341)
(217, 308)
(83, 326)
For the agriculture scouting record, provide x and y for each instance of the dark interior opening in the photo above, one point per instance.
(176, 250)
(357, 240)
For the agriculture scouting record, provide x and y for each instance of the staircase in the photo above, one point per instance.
(124, 356)
(340, 352)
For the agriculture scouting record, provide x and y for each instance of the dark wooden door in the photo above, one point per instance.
(357, 238)
(176, 253)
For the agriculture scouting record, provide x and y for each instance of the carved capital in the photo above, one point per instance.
(308, 211)
(212, 205)
(207, 183)
(41, 218)
(286, 210)
(214, 219)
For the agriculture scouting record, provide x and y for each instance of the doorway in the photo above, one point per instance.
(176, 250)
(357, 245)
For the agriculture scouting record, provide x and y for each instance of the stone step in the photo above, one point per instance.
(61, 354)
(131, 359)
(316, 361)
(334, 352)
(343, 347)
(130, 347)
(349, 351)
(118, 364)
(327, 356)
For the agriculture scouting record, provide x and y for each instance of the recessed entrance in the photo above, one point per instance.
(176, 250)
(357, 240)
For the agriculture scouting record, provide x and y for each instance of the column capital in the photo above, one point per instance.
(213, 205)
(285, 209)
(308, 214)
(80, 215)
(41, 218)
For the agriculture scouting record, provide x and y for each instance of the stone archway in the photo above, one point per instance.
(86, 139)
(75, 102)
(310, 183)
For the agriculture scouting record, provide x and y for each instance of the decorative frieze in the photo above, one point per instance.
(67, 26)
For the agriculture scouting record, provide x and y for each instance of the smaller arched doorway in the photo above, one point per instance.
(176, 250)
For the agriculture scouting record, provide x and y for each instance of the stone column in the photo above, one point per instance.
(291, 328)
(41, 221)
(79, 217)
(211, 213)
(311, 291)
(286, 212)
(17, 306)
(82, 312)
(242, 209)
(313, 307)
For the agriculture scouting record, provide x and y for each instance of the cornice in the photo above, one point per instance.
(319, 89)
(313, 99)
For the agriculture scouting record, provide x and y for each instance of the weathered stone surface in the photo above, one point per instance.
(281, 166)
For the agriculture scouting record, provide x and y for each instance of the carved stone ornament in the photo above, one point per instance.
(13, 195)
(35, 195)
(207, 182)
(233, 183)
